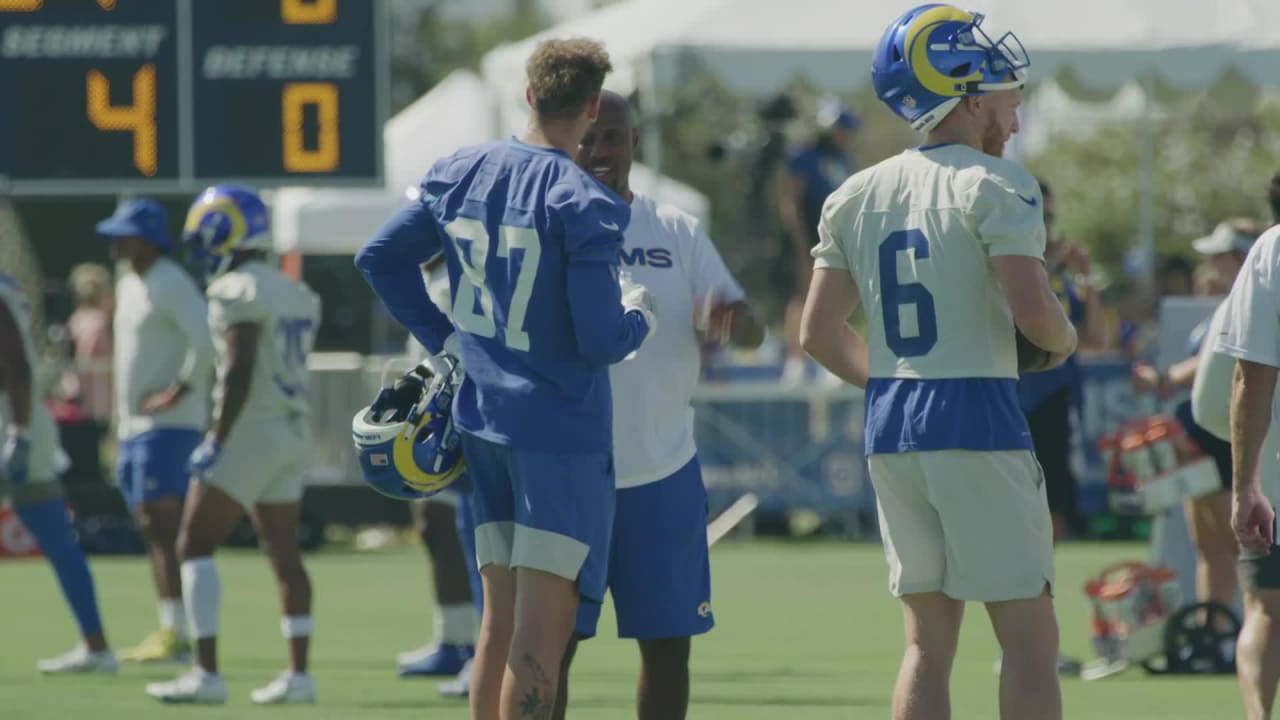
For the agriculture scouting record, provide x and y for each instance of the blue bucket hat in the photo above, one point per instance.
(141, 217)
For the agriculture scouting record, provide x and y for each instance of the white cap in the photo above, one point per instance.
(1226, 237)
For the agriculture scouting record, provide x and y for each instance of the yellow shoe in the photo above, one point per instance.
(163, 645)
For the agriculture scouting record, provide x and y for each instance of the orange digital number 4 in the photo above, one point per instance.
(138, 118)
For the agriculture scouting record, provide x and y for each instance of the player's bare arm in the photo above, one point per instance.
(824, 327)
(242, 353)
(1037, 312)
(1252, 516)
(15, 371)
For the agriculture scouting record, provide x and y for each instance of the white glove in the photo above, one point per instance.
(448, 359)
(636, 297)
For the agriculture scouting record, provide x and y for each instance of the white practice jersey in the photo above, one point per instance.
(42, 432)
(917, 233)
(288, 313)
(665, 250)
(1211, 392)
(161, 334)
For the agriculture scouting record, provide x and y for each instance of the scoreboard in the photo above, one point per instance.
(112, 96)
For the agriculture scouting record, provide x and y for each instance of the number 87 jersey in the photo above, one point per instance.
(917, 232)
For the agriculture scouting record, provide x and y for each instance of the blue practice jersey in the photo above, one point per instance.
(531, 243)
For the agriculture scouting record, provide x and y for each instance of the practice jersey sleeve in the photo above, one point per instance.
(233, 299)
(1010, 219)
(1252, 327)
(829, 253)
(390, 263)
(592, 224)
(710, 275)
(179, 297)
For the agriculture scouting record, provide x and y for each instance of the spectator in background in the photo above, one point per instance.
(1208, 516)
(813, 171)
(90, 329)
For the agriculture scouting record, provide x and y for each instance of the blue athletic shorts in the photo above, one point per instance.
(544, 511)
(153, 465)
(659, 571)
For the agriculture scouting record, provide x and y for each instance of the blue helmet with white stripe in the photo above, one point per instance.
(223, 220)
(407, 446)
(934, 55)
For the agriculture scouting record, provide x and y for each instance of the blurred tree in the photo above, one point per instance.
(1212, 161)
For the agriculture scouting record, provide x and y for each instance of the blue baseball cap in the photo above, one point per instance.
(141, 217)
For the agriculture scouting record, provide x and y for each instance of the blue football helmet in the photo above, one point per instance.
(934, 55)
(223, 220)
(406, 443)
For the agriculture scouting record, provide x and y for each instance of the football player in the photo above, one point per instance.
(438, 524)
(29, 479)
(659, 572)
(531, 242)
(1251, 334)
(253, 457)
(163, 363)
(944, 243)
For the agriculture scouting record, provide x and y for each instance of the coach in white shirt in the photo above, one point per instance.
(163, 366)
(659, 572)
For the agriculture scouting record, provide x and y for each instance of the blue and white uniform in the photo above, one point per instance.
(961, 497)
(162, 336)
(531, 242)
(659, 572)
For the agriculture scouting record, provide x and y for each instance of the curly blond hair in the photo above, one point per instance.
(90, 282)
(565, 74)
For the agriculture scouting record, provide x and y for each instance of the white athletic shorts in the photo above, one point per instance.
(972, 525)
(264, 460)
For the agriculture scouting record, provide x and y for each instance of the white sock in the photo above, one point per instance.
(455, 624)
(172, 616)
(201, 593)
(292, 626)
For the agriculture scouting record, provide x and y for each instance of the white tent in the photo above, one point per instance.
(461, 110)
(758, 46)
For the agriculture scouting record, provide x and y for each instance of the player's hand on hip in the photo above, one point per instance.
(157, 402)
(448, 360)
(15, 458)
(713, 319)
(636, 297)
(1253, 519)
(204, 458)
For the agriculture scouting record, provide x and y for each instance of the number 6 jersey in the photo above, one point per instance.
(917, 232)
(288, 313)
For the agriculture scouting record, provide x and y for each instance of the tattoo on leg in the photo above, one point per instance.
(539, 700)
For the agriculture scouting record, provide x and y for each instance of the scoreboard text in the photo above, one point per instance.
(100, 96)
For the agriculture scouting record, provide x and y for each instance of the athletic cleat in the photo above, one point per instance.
(163, 645)
(288, 687)
(459, 687)
(79, 660)
(195, 686)
(437, 660)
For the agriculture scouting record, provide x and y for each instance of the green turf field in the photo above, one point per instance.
(806, 632)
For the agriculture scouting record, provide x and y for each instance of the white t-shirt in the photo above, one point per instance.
(665, 250)
(289, 313)
(42, 432)
(1251, 331)
(1211, 392)
(161, 334)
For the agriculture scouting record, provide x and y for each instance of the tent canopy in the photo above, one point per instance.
(758, 46)
(460, 110)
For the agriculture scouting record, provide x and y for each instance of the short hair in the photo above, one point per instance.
(565, 74)
(1273, 197)
(89, 283)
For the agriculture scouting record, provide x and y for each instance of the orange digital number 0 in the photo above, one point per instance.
(138, 118)
(297, 156)
(308, 12)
